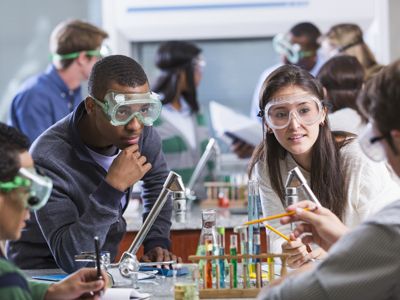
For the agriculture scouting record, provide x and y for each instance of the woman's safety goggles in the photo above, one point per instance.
(307, 110)
(122, 108)
(292, 52)
(38, 186)
(370, 145)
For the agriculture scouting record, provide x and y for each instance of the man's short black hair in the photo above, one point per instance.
(309, 30)
(115, 69)
(9, 162)
(11, 136)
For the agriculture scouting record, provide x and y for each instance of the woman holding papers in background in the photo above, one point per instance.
(182, 127)
(297, 133)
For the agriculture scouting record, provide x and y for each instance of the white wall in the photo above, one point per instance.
(26, 25)
(235, 34)
(156, 20)
(394, 30)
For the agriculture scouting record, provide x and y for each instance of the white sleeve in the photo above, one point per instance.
(370, 185)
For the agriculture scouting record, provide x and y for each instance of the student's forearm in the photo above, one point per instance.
(74, 234)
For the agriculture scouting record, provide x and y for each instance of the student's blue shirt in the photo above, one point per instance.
(42, 100)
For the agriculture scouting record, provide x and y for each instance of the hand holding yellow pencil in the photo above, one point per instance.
(278, 216)
(277, 232)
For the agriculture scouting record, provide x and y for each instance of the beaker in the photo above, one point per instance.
(208, 242)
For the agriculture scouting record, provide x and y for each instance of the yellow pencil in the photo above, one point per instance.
(277, 232)
(278, 216)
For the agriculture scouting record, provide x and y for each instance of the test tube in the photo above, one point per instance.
(270, 260)
(233, 251)
(271, 268)
(254, 212)
(208, 266)
(291, 197)
(257, 245)
(242, 230)
(258, 275)
(221, 244)
(217, 277)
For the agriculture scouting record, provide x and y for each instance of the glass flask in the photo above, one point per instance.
(208, 244)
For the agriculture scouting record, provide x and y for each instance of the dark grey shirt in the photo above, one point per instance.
(82, 204)
(364, 264)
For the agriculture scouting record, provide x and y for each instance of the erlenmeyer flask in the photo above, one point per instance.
(208, 243)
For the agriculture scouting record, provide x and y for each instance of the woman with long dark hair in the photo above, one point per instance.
(182, 127)
(298, 134)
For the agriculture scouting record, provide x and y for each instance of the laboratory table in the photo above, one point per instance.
(160, 289)
(185, 236)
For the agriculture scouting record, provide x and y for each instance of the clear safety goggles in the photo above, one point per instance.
(102, 52)
(370, 144)
(306, 109)
(39, 187)
(121, 108)
(199, 62)
(292, 52)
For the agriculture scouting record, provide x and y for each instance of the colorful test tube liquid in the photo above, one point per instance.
(209, 251)
(221, 262)
(233, 252)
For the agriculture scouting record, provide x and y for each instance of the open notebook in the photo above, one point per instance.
(235, 125)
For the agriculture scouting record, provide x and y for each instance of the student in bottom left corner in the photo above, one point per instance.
(24, 190)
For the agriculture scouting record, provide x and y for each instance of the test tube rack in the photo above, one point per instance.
(235, 192)
(244, 291)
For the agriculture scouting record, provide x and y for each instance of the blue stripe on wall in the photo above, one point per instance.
(217, 6)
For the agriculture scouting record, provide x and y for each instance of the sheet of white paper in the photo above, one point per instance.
(227, 121)
(123, 294)
(147, 275)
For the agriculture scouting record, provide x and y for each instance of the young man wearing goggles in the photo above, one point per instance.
(22, 190)
(48, 97)
(94, 156)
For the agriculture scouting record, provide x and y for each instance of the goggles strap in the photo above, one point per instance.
(56, 56)
(16, 183)
(345, 47)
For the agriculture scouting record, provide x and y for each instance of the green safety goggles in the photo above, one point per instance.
(121, 108)
(39, 187)
(292, 52)
(102, 52)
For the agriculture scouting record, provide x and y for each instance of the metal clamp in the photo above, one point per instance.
(296, 173)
